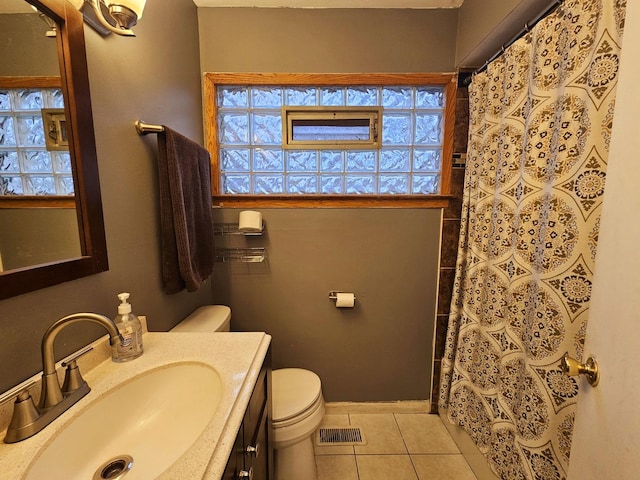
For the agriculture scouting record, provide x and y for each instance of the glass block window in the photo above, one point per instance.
(26, 166)
(252, 160)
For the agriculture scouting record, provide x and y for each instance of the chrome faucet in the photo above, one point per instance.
(27, 420)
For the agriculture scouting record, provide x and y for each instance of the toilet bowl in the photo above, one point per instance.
(298, 409)
(296, 399)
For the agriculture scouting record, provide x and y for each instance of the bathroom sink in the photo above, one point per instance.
(147, 422)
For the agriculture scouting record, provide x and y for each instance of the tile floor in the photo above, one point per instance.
(404, 442)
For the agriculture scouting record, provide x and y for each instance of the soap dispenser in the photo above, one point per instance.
(130, 328)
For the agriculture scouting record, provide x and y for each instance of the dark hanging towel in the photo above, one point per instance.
(185, 212)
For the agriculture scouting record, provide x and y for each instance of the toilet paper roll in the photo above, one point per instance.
(250, 221)
(345, 300)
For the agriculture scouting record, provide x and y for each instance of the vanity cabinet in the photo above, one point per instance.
(252, 455)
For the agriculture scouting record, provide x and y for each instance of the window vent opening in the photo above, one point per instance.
(319, 128)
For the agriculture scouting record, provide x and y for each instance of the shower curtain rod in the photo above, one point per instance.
(526, 29)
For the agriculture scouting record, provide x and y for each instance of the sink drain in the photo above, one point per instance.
(114, 469)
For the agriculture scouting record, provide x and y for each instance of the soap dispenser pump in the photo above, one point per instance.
(130, 328)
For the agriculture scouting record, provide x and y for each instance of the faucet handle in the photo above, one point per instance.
(11, 394)
(76, 355)
(23, 418)
(72, 378)
(24, 411)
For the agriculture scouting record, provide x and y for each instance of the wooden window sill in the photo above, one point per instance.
(331, 201)
(36, 201)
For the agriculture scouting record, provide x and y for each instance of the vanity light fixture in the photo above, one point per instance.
(122, 14)
(51, 33)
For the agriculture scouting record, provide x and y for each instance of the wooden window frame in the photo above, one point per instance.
(213, 80)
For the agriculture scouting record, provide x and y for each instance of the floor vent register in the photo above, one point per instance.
(339, 436)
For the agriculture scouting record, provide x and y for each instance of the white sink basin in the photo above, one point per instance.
(153, 418)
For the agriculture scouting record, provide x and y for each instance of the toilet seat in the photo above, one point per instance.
(299, 420)
(295, 392)
(297, 406)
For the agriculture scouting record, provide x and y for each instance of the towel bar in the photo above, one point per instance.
(145, 128)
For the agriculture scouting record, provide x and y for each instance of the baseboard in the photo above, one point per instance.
(400, 406)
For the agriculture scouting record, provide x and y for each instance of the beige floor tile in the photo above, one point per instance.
(393, 431)
(381, 432)
(341, 419)
(385, 467)
(334, 420)
(480, 466)
(337, 467)
(425, 433)
(442, 467)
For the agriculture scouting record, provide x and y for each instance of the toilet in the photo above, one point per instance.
(296, 399)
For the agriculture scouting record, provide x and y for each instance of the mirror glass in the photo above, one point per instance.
(33, 161)
(51, 225)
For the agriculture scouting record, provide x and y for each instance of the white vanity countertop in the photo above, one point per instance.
(236, 356)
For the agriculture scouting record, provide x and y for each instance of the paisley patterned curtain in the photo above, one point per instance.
(540, 123)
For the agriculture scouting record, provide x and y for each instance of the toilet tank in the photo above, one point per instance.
(210, 318)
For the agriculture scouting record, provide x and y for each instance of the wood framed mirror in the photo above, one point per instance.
(74, 83)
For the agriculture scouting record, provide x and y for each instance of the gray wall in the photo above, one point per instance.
(382, 349)
(21, 241)
(378, 350)
(485, 25)
(154, 76)
(327, 40)
(24, 48)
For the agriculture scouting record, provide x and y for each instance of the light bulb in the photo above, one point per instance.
(136, 6)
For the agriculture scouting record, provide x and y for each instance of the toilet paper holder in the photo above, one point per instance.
(333, 295)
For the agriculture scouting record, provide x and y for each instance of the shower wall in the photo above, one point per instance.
(450, 236)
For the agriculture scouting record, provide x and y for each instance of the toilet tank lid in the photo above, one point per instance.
(210, 318)
(294, 390)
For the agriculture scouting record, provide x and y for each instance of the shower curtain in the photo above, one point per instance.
(540, 124)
